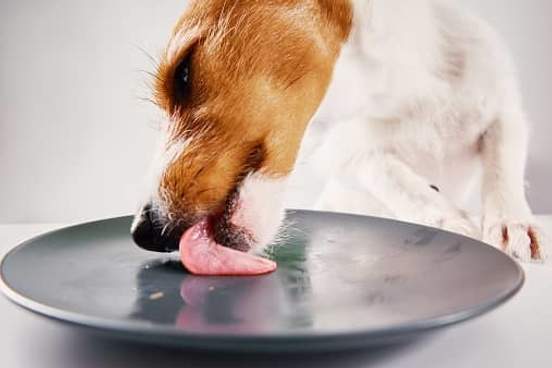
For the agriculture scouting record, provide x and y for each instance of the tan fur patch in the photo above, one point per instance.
(258, 71)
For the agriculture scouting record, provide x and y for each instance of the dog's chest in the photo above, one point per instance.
(406, 107)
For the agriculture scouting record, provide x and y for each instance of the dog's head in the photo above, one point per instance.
(238, 83)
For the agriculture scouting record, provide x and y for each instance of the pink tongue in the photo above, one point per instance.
(201, 255)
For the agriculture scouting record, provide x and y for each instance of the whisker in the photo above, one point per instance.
(164, 229)
(150, 57)
(148, 99)
(150, 74)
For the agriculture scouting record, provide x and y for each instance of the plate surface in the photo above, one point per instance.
(343, 281)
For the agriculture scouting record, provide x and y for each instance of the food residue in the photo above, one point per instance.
(157, 295)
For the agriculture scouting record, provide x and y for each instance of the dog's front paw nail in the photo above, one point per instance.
(521, 240)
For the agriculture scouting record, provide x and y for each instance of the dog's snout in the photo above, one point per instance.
(150, 233)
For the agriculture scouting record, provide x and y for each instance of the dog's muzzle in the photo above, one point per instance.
(149, 232)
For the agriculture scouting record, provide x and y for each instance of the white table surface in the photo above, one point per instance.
(517, 334)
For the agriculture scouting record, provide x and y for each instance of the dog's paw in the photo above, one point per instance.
(456, 221)
(520, 239)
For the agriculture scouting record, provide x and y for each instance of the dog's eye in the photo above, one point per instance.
(182, 78)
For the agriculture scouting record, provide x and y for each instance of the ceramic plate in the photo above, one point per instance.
(343, 281)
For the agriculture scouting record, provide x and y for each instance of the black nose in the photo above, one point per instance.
(151, 233)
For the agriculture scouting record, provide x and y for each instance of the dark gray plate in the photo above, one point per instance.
(343, 281)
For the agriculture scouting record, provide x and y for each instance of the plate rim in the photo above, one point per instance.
(137, 330)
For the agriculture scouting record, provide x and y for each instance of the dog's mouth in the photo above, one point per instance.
(217, 246)
(202, 254)
(225, 232)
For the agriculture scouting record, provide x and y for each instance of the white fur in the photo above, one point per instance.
(166, 153)
(431, 97)
(424, 93)
(260, 207)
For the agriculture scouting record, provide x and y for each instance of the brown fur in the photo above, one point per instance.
(259, 70)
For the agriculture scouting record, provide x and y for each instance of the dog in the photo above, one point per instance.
(410, 103)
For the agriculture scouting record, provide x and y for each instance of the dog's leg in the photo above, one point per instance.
(507, 219)
(361, 169)
(410, 195)
(400, 193)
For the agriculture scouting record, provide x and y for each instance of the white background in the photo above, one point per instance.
(75, 138)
